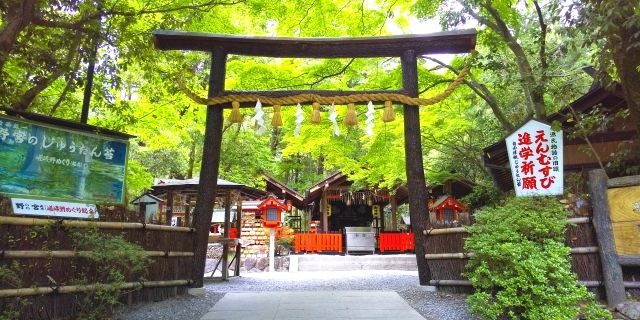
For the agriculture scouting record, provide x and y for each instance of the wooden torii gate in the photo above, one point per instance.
(407, 47)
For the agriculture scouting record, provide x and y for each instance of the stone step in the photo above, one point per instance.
(319, 262)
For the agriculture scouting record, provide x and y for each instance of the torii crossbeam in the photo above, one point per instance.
(407, 47)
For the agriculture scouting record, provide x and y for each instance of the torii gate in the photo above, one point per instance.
(407, 47)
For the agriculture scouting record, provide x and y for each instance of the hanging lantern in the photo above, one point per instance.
(375, 211)
(235, 116)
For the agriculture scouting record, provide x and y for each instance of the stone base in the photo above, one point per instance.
(196, 292)
(429, 288)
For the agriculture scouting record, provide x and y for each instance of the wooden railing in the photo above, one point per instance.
(395, 241)
(318, 242)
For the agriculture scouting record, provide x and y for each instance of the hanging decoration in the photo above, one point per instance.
(315, 114)
(351, 119)
(276, 121)
(333, 116)
(258, 118)
(388, 115)
(299, 119)
(369, 124)
(235, 116)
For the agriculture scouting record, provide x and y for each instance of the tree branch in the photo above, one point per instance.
(27, 98)
(483, 92)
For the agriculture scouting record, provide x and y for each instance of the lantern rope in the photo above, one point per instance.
(353, 98)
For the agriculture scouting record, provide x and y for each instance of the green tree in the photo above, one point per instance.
(521, 51)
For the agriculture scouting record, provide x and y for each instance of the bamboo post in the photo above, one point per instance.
(19, 221)
(23, 292)
(611, 270)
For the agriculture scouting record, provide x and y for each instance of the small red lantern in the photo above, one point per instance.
(271, 211)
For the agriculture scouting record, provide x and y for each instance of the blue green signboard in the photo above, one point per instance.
(47, 162)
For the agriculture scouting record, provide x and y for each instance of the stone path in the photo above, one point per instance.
(314, 305)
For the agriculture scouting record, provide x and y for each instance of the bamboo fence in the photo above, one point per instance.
(49, 265)
(447, 259)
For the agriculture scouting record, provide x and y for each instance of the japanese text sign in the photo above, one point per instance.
(54, 208)
(49, 162)
(536, 159)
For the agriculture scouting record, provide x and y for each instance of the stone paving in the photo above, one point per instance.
(314, 305)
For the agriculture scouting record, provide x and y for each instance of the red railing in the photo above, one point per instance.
(395, 241)
(318, 242)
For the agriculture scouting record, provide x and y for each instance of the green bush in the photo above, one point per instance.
(115, 260)
(521, 268)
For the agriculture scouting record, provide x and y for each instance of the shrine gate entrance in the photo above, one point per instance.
(407, 48)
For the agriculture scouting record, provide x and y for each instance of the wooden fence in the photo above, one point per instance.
(318, 242)
(48, 266)
(447, 258)
(395, 241)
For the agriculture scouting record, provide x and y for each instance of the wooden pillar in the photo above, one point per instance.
(393, 202)
(169, 214)
(239, 231)
(187, 211)
(225, 245)
(323, 208)
(209, 169)
(413, 159)
(611, 270)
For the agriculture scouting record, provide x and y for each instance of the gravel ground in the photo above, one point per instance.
(433, 306)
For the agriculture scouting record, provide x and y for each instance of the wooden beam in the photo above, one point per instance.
(414, 166)
(627, 181)
(457, 41)
(209, 170)
(611, 270)
(629, 261)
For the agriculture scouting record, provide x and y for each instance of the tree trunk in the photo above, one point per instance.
(20, 14)
(627, 61)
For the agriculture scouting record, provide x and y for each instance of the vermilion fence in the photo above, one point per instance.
(396, 241)
(318, 242)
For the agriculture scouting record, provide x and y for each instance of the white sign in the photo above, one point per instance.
(535, 156)
(54, 208)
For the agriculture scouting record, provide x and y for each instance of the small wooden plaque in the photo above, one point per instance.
(624, 204)
(627, 237)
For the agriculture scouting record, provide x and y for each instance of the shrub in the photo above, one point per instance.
(115, 260)
(521, 268)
